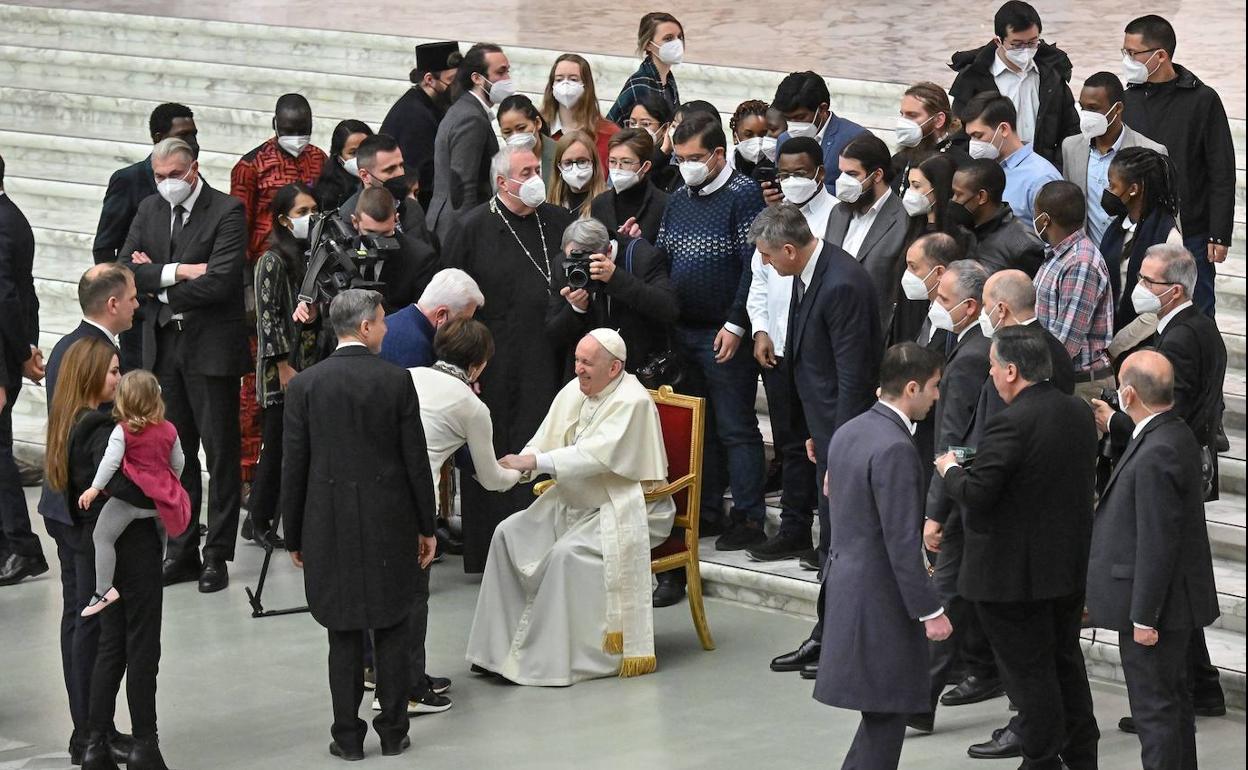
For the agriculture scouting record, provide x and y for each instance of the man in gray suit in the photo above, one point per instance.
(881, 591)
(870, 222)
(466, 143)
(1103, 132)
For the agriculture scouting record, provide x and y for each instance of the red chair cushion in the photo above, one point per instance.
(677, 423)
(672, 545)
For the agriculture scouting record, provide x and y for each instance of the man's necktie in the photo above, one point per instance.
(165, 313)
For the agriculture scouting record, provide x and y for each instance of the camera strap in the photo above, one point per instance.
(628, 255)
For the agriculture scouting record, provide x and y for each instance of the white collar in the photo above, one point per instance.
(1028, 322)
(719, 181)
(189, 204)
(112, 337)
(875, 207)
(962, 333)
(999, 67)
(820, 203)
(910, 426)
(1139, 426)
(350, 344)
(808, 272)
(481, 100)
(1165, 321)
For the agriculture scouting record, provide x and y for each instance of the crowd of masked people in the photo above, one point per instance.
(1094, 217)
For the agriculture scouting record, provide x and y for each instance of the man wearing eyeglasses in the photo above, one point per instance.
(1169, 104)
(1032, 73)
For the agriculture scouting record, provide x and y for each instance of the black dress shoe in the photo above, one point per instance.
(1127, 725)
(671, 588)
(394, 749)
(121, 745)
(77, 747)
(1005, 744)
(145, 755)
(1210, 709)
(98, 755)
(447, 541)
(973, 689)
(806, 652)
(16, 568)
(214, 577)
(924, 723)
(785, 545)
(810, 671)
(175, 571)
(482, 670)
(810, 561)
(342, 752)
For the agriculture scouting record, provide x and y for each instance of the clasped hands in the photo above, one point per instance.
(945, 462)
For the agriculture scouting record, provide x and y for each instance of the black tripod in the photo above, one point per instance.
(257, 609)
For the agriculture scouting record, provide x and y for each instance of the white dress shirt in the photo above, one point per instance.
(770, 292)
(349, 344)
(1139, 426)
(1165, 320)
(168, 274)
(111, 337)
(1022, 88)
(860, 225)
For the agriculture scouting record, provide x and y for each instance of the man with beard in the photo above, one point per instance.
(414, 118)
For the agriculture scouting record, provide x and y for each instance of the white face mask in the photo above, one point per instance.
(352, 167)
(914, 287)
(525, 141)
(848, 189)
(568, 92)
(981, 150)
(798, 190)
(293, 144)
(576, 178)
(915, 203)
(694, 172)
(532, 191)
(757, 147)
(499, 90)
(1144, 301)
(1092, 124)
(175, 189)
(799, 129)
(941, 318)
(1021, 57)
(672, 52)
(1137, 72)
(299, 226)
(985, 323)
(623, 179)
(909, 133)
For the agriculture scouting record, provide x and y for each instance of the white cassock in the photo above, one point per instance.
(566, 593)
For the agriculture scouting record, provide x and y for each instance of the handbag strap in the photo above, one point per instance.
(628, 255)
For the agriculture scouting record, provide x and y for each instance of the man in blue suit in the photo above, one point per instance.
(451, 294)
(804, 100)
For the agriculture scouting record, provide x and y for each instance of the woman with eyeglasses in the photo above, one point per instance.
(571, 103)
(522, 125)
(661, 42)
(580, 178)
(653, 114)
(632, 196)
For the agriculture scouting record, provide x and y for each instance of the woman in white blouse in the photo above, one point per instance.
(450, 410)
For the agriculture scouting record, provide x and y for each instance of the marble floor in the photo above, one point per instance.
(244, 694)
(903, 41)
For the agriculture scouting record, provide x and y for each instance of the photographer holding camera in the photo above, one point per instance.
(617, 284)
(406, 271)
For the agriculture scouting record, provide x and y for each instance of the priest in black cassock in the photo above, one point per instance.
(508, 245)
(413, 120)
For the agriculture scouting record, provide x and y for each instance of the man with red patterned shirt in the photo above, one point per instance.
(288, 156)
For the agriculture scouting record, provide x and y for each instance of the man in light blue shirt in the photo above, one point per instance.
(990, 121)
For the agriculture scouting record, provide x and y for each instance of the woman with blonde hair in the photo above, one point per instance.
(571, 102)
(580, 178)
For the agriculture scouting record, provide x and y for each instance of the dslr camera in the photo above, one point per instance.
(342, 259)
(576, 270)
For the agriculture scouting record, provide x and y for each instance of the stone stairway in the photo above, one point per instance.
(76, 89)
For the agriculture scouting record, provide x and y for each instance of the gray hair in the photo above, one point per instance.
(778, 225)
(501, 164)
(453, 288)
(589, 234)
(351, 308)
(968, 279)
(167, 148)
(1178, 265)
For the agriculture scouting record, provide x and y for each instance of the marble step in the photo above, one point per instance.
(1226, 523)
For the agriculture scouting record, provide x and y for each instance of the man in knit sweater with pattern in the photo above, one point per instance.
(705, 232)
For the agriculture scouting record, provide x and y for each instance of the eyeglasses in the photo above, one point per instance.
(1132, 54)
(580, 165)
(1019, 45)
(624, 163)
(643, 123)
(1152, 282)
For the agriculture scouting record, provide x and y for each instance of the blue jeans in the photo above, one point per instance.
(1204, 296)
(733, 445)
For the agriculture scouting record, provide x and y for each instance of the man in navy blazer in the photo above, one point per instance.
(882, 609)
(451, 294)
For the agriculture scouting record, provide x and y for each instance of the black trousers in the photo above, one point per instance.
(877, 743)
(130, 633)
(346, 683)
(203, 409)
(1037, 647)
(266, 484)
(15, 533)
(80, 637)
(1161, 705)
(418, 625)
(798, 493)
(1202, 676)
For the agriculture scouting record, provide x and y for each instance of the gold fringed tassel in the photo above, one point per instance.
(638, 666)
(613, 642)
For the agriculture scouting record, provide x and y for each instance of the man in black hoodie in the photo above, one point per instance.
(1032, 73)
(1170, 105)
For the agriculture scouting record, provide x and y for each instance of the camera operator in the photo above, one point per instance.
(598, 282)
(406, 272)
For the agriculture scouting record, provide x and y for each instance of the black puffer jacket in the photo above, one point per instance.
(1005, 243)
(1057, 116)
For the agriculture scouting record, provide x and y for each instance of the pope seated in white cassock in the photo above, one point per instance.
(566, 591)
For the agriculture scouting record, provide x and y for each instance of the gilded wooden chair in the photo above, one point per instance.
(682, 420)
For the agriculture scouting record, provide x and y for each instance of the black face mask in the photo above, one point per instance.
(1112, 204)
(959, 215)
(397, 187)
